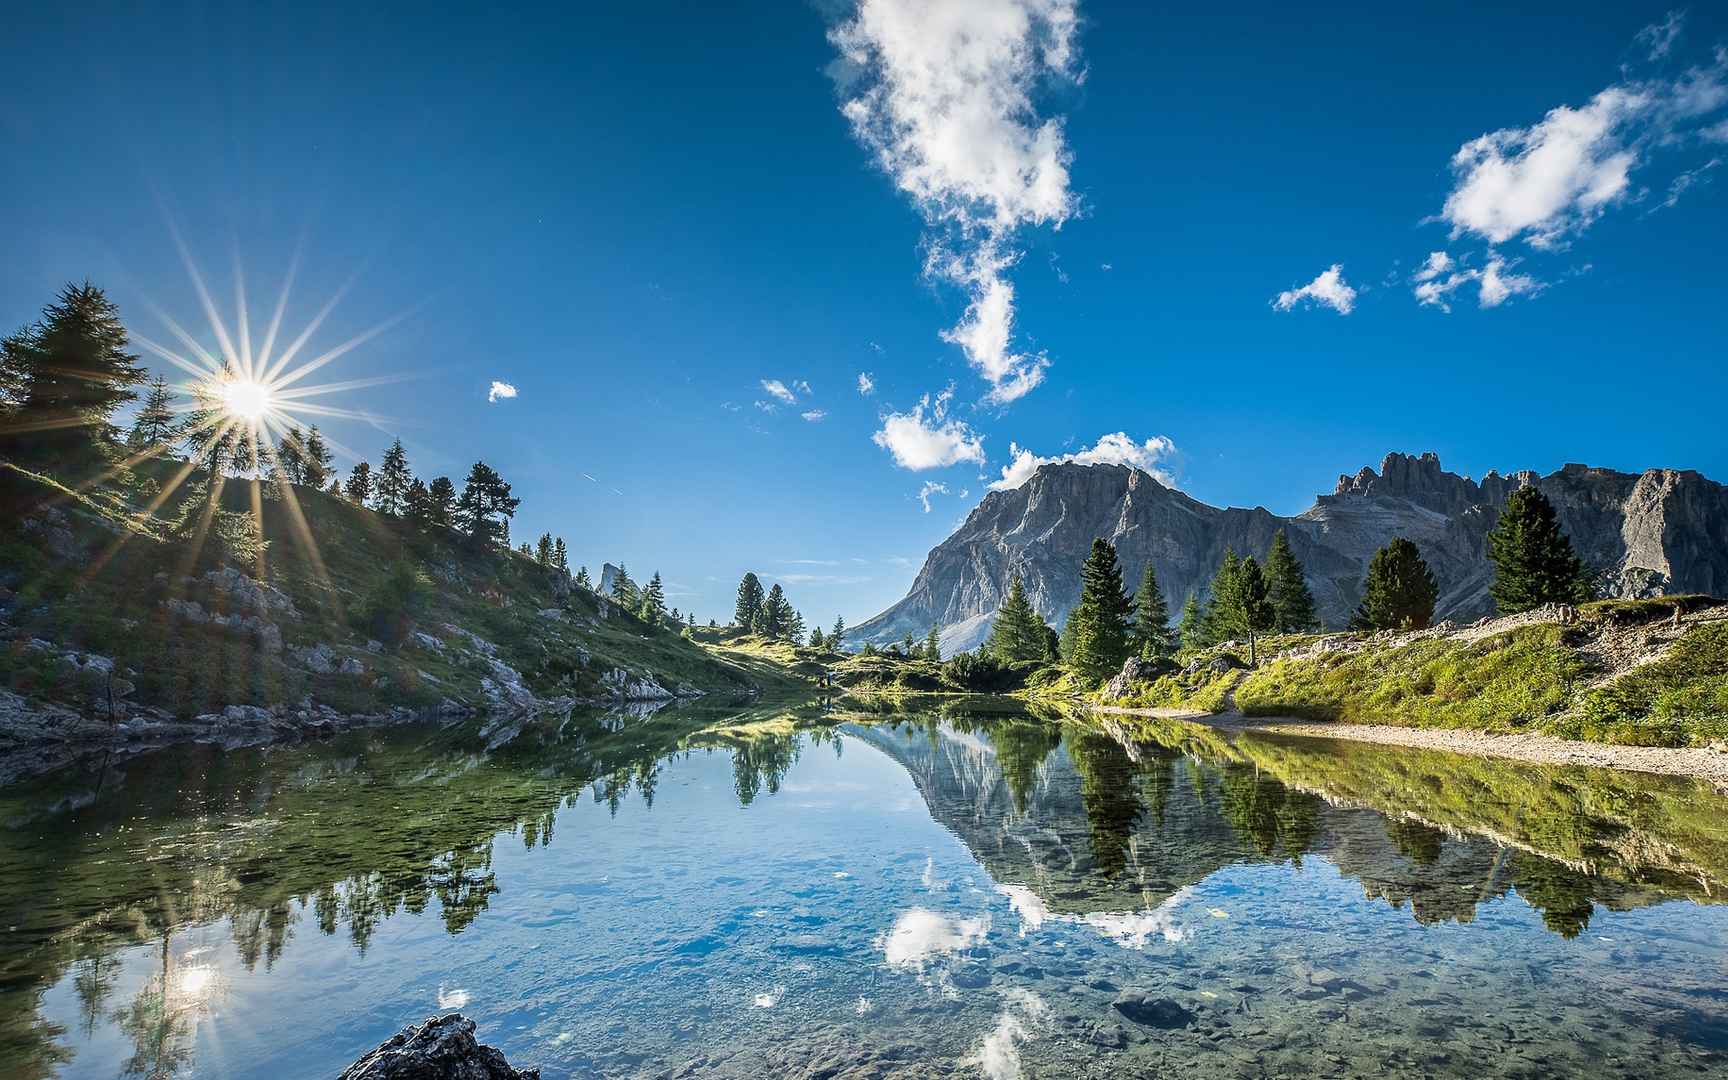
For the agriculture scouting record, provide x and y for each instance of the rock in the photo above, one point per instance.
(427, 641)
(442, 1048)
(248, 594)
(627, 687)
(1135, 671)
(1108, 1035)
(321, 659)
(1151, 1011)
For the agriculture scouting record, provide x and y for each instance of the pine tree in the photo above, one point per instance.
(1100, 620)
(318, 461)
(417, 505)
(817, 641)
(1192, 627)
(583, 580)
(486, 506)
(933, 645)
(525, 550)
(653, 607)
(154, 426)
(74, 371)
(440, 503)
(394, 479)
(291, 456)
(909, 646)
(1151, 634)
(1223, 584)
(1534, 563)
(776, 614)
(624, 590)
(359, 488)
(1241, 609)
(749, 607)
(14, 375)
(1287, 589)
(795, 629)
(1399, 591)
(1018, 633)
(560, 556)
(211, 438)
(543, 550)
(837, 635)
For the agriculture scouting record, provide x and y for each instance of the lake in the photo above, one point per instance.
(807, 890)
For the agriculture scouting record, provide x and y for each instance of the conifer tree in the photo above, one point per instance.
(524, 549)
(1287, 589)
(624, 590)
(1151, 634)
(909, 646)
(154, 426)
(393, 480)
(1192, 627)
(582, 578)
(795, 629)
(1018, 633)
(560, 556)
(211, 438)
(486, 506)
(837, 635)
(817, 641)
(653, 606)
(417, 504)
(1534, 563)
(440, 502)
(776, 614)
(1242, 610)
(1100, 620)
(543, 550)
(74, 371)
(1399, 591)
(319, 462)
(360, 483)
(1223, 584)
(749, 608)
(291, 456)
(933, 645)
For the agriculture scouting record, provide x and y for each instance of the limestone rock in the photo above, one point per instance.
(1149, 1010)
(442, 1048)
(1135, 671)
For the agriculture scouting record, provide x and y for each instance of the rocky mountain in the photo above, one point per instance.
(1662, 530)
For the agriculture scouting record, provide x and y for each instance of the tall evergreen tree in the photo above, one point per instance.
(154, 426)
(560, 556)
(359, 488)
(394, 479)
(319, 463)
(775, 614)
(1534, 563)
(211, 437)
(795, 629)
(417, 504)
(582, 578)
(14, 378)
(543, 550)
(653, 607)
(291, 456)
(933, 645)
(1018, 633)
(74, 371)
(817, 641)
(1223, 584)
(749, 606)
(1242, 610)
(486, 506)
(1399, 591)
(1191, 629)
(440, 501)
(1287, 589)
(1101, 618)
(1151, 634)
(838, 634)
(624, 590)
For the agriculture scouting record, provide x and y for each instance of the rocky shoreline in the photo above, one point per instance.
(442, 1048)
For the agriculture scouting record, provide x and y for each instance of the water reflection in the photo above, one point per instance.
(1109, 829)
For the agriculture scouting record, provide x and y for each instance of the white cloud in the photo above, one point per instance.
(920, 936)
(1685, 181)
(1113, 449)
(926, 438)
(866, 384)
(941, 94)
(1329, 290)
(1658, 38)
(1497, 286)
(1715, 132)
(1437, 263)
(822, 579)
(1441, 276)
(803, 388)
(779, 390)
(814, 415)
(500, 391)
(930, 488)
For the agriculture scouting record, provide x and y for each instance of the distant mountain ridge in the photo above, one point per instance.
(1662, 530)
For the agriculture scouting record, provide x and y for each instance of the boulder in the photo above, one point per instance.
(442, 1048)
(1135, 671)
(1151, 1011)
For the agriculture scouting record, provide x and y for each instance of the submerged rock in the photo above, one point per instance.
(1152, 1011)
(442, 1048)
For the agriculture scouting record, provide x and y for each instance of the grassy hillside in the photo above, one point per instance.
(332, 603)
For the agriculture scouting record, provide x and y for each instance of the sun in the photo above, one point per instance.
(246, 399)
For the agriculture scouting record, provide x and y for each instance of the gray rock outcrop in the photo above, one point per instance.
(442, 1048)
(1660, 531)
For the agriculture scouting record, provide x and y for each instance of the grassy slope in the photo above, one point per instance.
(108, 598)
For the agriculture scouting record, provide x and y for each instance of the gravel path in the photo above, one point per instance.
(1707, 765)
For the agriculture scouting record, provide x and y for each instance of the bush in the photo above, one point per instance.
(981, 673)
(388, 611)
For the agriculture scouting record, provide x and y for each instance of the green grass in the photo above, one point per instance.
(1649, 609)
(1679, 699)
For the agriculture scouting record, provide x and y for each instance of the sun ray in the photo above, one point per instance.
(242, 320)
(292, 377)
(339, 387)
(173, 357)
(216, 323)
(298, 343)
(281, 309)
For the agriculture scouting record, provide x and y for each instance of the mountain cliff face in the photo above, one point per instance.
(1662, 530)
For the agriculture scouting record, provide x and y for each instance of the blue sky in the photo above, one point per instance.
(636, 218)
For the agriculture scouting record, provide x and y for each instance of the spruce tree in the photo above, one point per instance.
(543, 550)
(817, 641)
(653, 607)
(318, 461)
(909, 646)
(440, 502)
(1242, 609)
(582, 578)
(1534, 563)
(771, 623)
(360, 483)
(417, 504)
(525, 550)
(154, 427)
(393, 481)
(1287, 589)
(795, 629)
(486, 506)
(1018, 633)
(211, 437)
(1223, 584)
(624, 590)
(837, 635)
(749, 606)
(560, 556)
(1151, 634)
(74, 371)
(1100, 620)
(1191, 629)
(291, 456)
(1398, 592)
(933, 645)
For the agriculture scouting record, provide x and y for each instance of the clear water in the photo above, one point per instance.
(840, 894)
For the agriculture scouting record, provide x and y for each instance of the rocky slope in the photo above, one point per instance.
(1659, 531)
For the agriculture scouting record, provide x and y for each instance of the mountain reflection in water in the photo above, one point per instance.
(156, 906)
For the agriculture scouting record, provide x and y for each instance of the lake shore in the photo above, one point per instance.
(1696, 762)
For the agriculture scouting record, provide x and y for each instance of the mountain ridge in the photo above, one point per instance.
(1661, 530)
